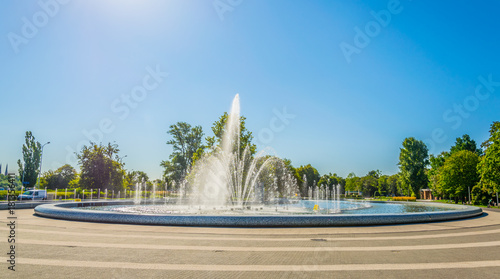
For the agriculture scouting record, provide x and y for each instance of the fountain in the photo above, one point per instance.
(231, 187)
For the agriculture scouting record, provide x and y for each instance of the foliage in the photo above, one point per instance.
(4, 182)
(404, 198)
(489, 167)
(312, 177)
(494, 135)
(466, 143)
(351, 182)
(133, 177)
(186, 142)
(458, 173)
(32, 151)
(218, 129)
(394, 185)
(368, 184)
(330, 180)
(436, 163)
(75, 182)
(480, 195)
(101, 167)
(413, 159)
(382, 185)
(58, 179)
(276, 176)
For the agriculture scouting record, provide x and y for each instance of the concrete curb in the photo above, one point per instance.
(67, 211)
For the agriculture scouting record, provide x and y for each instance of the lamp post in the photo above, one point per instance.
(41, 157)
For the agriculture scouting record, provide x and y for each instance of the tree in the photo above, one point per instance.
(133, 177)
(4, 182)
(394, 185)
(436, 163)
(312, 177)
(413, 159)
(489, 167)
(101, 167)
(382, 185)
(58, 179)
(466, 143)
(351, 182)
(219, 128)
(32, 151)
(459, 174)
(368, 185)
(375, 173)
(330, 181)
(186, 145)
(494, 135)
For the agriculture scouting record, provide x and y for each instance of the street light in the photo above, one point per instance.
(41, 156)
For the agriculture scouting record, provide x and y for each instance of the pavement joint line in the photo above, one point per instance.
(223, 238)
(270, 268)
(489, 244)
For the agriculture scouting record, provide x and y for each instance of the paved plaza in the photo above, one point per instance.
(48, 248)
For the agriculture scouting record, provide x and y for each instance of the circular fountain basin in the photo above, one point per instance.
(257, 216)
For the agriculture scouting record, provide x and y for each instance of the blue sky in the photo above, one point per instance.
(71, 69)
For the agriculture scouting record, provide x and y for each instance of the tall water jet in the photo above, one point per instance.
(229, 174)
(137, 199)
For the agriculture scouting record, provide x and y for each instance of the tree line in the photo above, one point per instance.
(465, 169)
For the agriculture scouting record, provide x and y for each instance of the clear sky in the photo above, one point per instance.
(337, 84)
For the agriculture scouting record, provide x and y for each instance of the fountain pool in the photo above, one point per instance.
(232, 187)
(302, 214)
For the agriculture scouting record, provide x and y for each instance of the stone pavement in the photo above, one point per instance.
(48, 248)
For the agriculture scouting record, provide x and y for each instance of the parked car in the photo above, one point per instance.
(33, 194)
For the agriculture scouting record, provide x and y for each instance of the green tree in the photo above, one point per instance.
(219, 127)
(413, 159)
(352, 182)
(466, 143)
(58, 179)
(436, 163)
(101, 167)
(4, 182)
(186, 146)
(312, 177)
(368, 185)
(459, 173)
(330, 181)
(394, 185)
(383, 185)
(133, 177)
(489, 167)
(31, 157)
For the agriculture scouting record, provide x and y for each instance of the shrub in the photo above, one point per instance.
(404, 198)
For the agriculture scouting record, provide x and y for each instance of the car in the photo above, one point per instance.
(33, 195)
